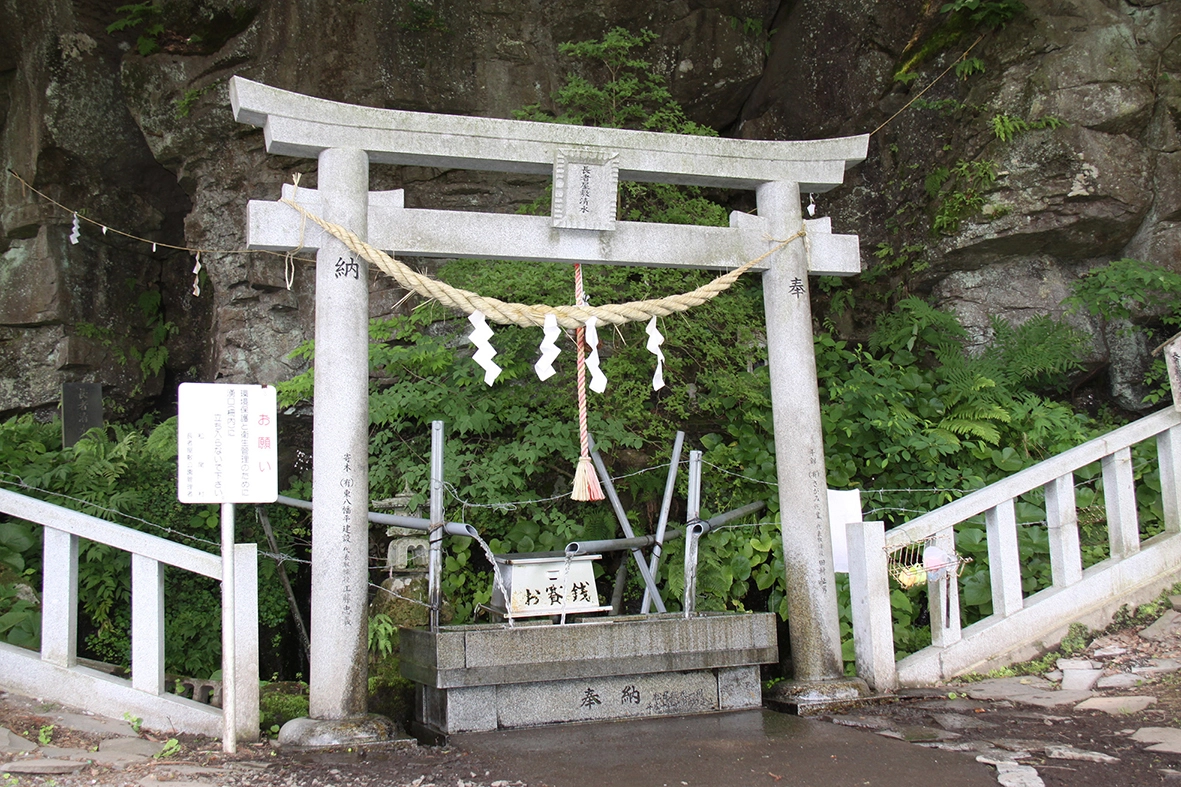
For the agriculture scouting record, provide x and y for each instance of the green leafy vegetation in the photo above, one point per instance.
(958, 192)
(147, 346)
(1006, 127)
(423, 19)
(969, 66)
(279, 702)
(145, 17)
(986, 13)
(126, 474)
(170, 748)
(133, 721)
(184, 105)
(1144, 297)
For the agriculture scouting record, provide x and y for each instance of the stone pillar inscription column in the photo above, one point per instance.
(340, 442)
(799, 445)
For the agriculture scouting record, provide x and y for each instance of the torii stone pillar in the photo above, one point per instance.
(338, 676)
(585, 164)
(814, 626)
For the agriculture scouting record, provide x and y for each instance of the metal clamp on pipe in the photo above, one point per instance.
(395, 520)
(694, 530)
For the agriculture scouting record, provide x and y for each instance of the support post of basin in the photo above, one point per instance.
(621, 515)
(435, 559)
(669, 487)
(692, 513)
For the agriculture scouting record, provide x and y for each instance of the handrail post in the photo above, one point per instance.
(1168, 451)
(869, 592)
(943, 597)
(229, 648)
(1119, 494)
(1066, 563)
(147, 625)
(1004, 560)
(59, 598)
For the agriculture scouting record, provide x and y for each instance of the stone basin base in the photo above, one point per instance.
(478, 678)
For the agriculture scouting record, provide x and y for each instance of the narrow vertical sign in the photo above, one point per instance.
(227, 446)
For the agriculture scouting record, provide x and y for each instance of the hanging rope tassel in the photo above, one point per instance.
(586, 483)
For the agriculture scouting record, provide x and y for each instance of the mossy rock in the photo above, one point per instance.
(390, 694)
(280, 702)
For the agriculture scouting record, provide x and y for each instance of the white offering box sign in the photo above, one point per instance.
(543, 583)
(227, 444)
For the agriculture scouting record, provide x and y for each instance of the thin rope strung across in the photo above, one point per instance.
(526, 316)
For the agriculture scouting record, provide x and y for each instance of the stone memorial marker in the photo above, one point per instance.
(82, 410)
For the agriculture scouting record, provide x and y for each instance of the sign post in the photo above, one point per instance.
(227, 452)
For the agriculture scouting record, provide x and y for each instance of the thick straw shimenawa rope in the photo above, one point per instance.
(569, 317)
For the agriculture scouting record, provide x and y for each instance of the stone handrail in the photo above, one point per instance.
(85, 526)
(1020, 626)
(56, 673)
(1032, 477)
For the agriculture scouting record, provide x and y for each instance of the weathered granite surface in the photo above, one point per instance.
(146, 144)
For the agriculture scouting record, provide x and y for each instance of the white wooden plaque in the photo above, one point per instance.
(227, 444)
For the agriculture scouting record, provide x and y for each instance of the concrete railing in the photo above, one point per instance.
(1020, 626)
(55, 674)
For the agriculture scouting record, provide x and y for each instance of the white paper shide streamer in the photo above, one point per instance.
(76, 231)
(549, 348)
(485, 352)
(598, 381)
(655, 339)
(197, 276)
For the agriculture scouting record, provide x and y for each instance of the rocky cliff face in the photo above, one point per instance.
(146, 144)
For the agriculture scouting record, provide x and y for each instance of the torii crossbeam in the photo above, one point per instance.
(586, 164)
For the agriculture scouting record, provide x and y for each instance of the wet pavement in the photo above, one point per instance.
(1110, 714)
(733, 749)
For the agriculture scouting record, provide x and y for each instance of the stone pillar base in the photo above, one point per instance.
(808, 698)
(320, 733)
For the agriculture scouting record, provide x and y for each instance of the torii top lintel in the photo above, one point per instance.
(299, 125)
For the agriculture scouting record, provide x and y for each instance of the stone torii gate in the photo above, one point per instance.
(586, 164)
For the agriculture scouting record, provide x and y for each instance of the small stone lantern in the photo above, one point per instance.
(406, 565)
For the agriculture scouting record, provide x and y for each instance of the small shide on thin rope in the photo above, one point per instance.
(523, 315)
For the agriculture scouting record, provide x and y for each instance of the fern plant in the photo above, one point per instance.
(1143, 296)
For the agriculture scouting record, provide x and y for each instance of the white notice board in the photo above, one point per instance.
(227, 446)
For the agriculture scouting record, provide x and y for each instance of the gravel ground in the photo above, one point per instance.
(1048, 739)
